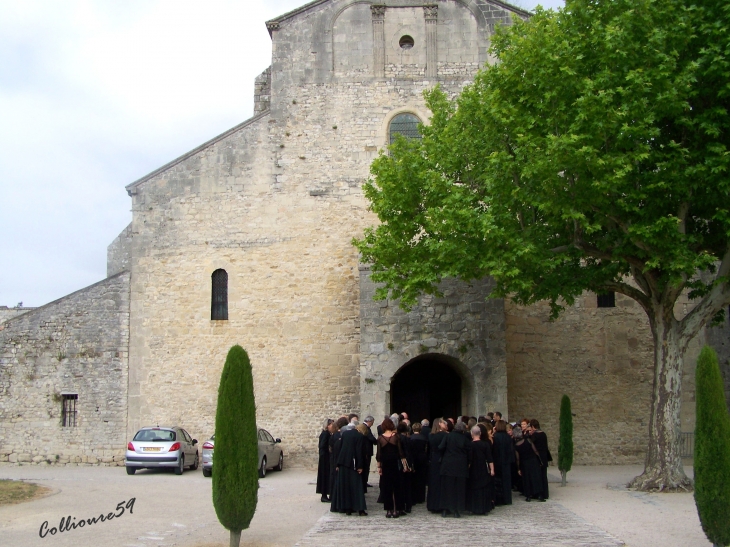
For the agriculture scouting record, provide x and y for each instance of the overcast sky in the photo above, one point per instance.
(93, 96)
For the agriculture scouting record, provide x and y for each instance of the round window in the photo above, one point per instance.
(406, 42)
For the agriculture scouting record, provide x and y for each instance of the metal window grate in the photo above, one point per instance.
(406, 125)
(687, 445)
(68, 411)
(219, 300)
(607, 300)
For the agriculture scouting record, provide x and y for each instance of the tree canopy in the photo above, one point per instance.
(591, 156)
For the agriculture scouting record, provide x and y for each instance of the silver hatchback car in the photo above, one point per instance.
(161, 447)
(270, 451)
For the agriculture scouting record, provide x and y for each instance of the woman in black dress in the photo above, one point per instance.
(481, 471)
(406, 475)
(323, 467)
(540, 440)
(438, 432)
(419, 453)
(454, 470)
(504, 454)
(388, 455)
(528, 464)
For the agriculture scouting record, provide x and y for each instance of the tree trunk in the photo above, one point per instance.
(663, 469)
(563, 477)
(235, 538)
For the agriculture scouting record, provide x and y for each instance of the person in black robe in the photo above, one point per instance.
(369, 447)
(528, 463)
(439, 431)
(335, 443)
(348, 495)
(540, 440)
(419, 453)
(481, 471)
(389, 454)
(406, 474)
(504, 454)
(323, 467)
(425, 428)
(454, 471)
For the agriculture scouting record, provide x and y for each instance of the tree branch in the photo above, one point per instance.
(631, 292)
(717, 298)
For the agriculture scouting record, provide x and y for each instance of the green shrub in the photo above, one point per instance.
(565, 444)
(235, 474)
(712, 450)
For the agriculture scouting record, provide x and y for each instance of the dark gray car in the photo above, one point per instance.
(271, 455)
(161, 447)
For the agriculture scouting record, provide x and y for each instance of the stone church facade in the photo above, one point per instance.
(269, 209)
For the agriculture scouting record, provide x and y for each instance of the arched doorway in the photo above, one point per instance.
(426, 387)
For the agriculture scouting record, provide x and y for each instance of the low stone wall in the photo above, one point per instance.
(8, 313)
(77, 345)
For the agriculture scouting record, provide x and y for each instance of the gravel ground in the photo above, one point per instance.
(594, 509)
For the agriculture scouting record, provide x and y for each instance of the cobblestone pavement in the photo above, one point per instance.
(531, 524)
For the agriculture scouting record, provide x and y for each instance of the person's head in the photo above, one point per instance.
(342, 422)
(416, 427)
(476, 432)
(490, 415)
(534, 424)
(500, 426)
(362, 428)
(524, 423)
(353, 416)
(404, 415)
(402, 428)
(326, 423)
(369, 421)
(437, 425)
(449, 426)
(471, 423)
(395, 418)
(425, 423)
(484, 430)
(387, 425)
(497, 415)
(509, 427)
(451, 420)
(460, 427)
(517, 434)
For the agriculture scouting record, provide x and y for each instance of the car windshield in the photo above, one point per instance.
(154, 435)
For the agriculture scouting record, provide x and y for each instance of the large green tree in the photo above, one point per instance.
(591, 156)
(235, 475)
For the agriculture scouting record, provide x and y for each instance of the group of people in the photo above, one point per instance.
(456, 465)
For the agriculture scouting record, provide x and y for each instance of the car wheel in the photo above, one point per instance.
(281, 462)
(262, 469)
(131, 470)
(195, 462)
(207, 472)
(180, 466)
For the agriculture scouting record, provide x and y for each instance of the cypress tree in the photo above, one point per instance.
(235, 479)
(712, 450)
(565, 444)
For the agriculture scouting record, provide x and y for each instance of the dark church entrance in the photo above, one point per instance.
(427, 388)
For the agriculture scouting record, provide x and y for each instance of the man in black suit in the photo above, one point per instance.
(425, 428)
(369, 438)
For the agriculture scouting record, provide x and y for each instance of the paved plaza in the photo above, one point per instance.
(594, 510)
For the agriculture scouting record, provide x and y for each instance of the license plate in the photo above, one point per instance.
(151, 449)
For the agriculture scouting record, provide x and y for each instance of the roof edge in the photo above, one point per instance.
(292, 13)
(132, 188)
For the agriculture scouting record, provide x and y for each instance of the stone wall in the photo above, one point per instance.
(262, 92)
(118, 252)
(8, 313)
(75, 345)
(462, 325)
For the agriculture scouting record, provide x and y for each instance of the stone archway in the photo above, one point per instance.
(427, 387)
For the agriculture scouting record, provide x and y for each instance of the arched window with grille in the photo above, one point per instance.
(219, 300)
(406, 125)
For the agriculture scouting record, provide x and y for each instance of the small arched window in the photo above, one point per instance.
(219, 300)
(406, 125)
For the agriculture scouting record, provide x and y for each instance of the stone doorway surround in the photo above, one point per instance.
(462, 327)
